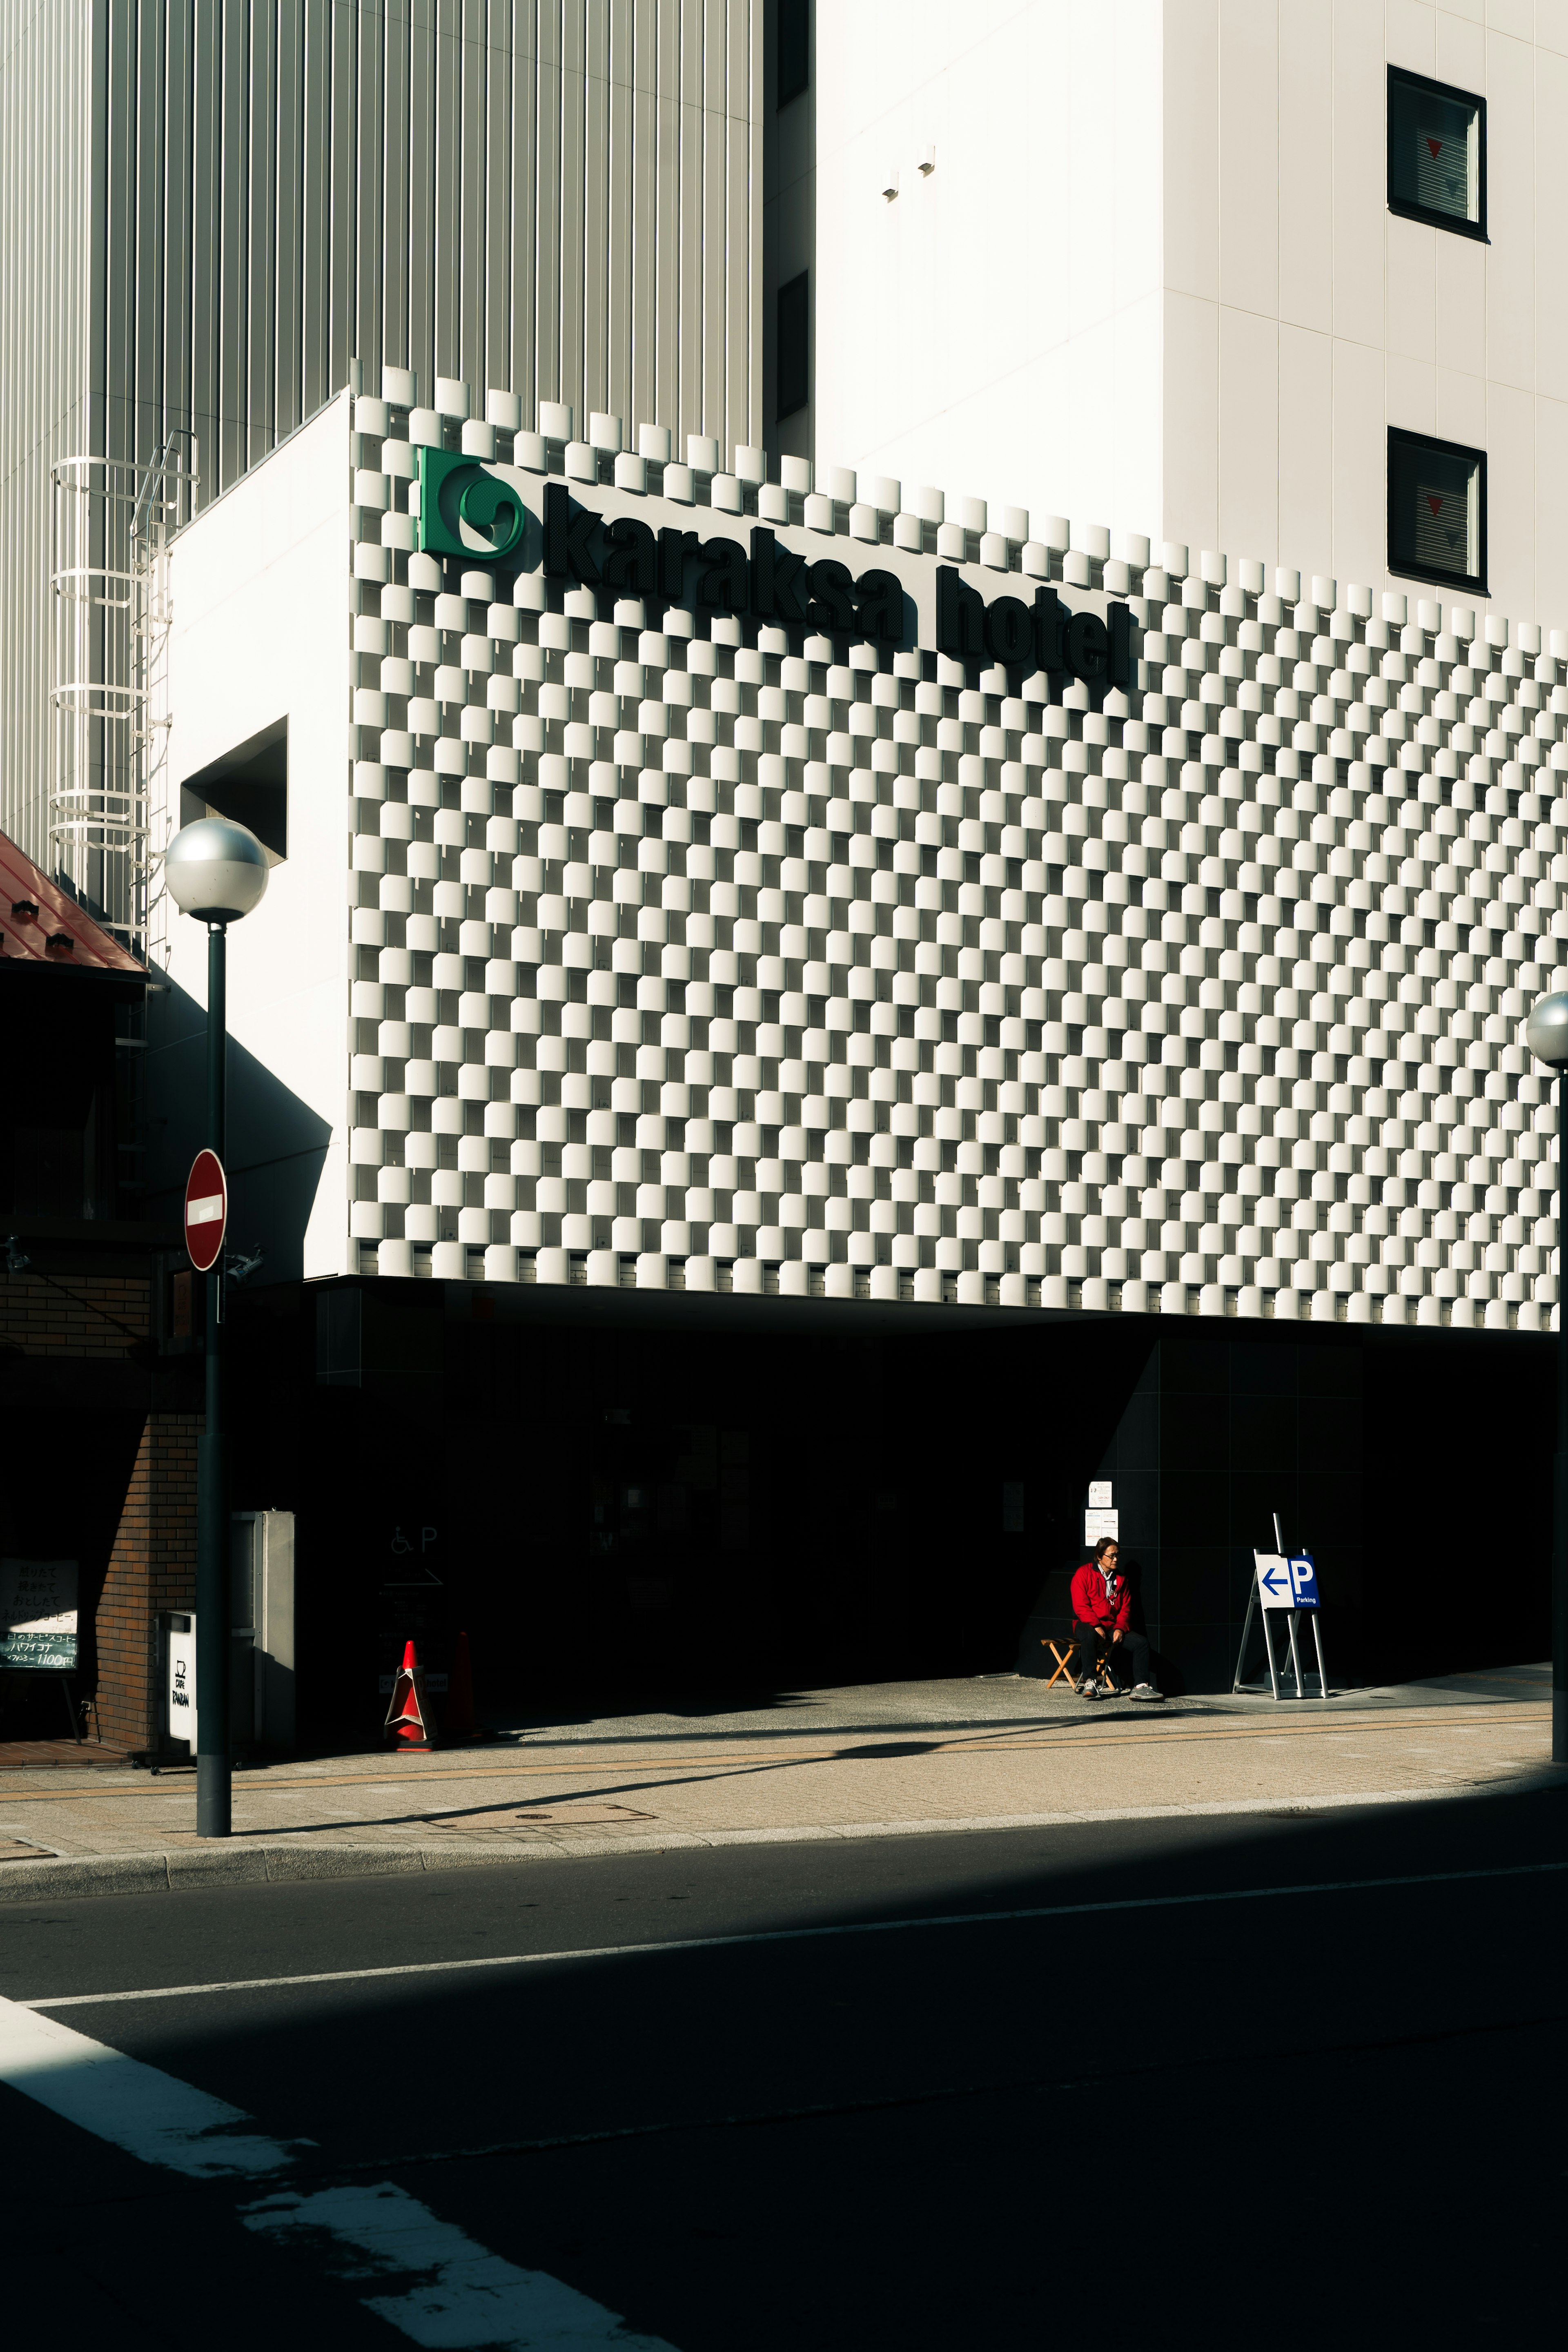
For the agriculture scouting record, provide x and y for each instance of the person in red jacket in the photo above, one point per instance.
(1102, 1623)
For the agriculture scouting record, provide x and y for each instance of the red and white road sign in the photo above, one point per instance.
(206, 1211)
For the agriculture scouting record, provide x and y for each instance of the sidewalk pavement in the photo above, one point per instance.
(880, 1760)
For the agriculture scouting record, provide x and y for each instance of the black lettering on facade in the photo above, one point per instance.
(959, 617)
(1118, 622)
(567, 530)
(773, 583)
(725, 585)
(632, 564)
(1045, 637)
(1050, 630)
(674, 546)
(1010, 632)
(832, 604)
(880, 599)
(778, 580)
(1089, 647)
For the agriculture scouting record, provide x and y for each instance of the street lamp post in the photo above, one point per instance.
(217, 871)
(1546, 1034)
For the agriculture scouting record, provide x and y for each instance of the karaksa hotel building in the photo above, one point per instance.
(683, 934)
(677, 943)
(764, 866)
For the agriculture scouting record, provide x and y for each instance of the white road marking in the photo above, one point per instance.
(468, 2296)
(139, 2108)
(462, 2294)
(795, 1935)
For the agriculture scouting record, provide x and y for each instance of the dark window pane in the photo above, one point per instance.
(793, 344)
(794, 48)
(1435, 158)
(1437, 509)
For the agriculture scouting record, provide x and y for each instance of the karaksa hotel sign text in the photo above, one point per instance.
(477, 511)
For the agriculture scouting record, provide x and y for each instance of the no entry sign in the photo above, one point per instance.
(206, 1211)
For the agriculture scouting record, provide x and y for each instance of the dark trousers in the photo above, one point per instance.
(1129, 1657)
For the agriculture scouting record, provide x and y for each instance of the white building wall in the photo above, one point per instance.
(1154, 283)
(1303, 318)
(260, 587)
(995, 328)
(910, 983)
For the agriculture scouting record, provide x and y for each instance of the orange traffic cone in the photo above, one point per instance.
(458, 1718)
(408, 1717)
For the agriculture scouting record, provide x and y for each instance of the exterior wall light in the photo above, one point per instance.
(216, 870)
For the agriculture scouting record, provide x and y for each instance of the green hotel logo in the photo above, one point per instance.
(457, 493)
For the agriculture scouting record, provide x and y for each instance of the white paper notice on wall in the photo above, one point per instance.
(1100, 1493)
(1097, 1524)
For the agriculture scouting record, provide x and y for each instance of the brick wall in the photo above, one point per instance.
(152, 1567)
(73, 1314)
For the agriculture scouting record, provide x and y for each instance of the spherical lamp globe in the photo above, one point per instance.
(1546, 1031)
(216, 870)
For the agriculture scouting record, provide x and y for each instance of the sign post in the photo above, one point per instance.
(206, 1223)
(1283, 1584)
(217, 871)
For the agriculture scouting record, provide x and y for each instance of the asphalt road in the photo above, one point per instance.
(1207, 2109)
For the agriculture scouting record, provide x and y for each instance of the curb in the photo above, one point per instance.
(186, 1869)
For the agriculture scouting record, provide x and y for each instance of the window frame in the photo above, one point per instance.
(1402, 205)
(1474, 584)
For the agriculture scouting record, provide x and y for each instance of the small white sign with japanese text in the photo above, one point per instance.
(183, 1683)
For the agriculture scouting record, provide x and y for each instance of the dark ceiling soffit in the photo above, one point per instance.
(240, 755)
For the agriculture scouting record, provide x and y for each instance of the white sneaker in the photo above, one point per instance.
(1089, 1690)
(1145, 1690)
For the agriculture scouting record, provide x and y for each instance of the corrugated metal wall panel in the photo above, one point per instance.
(370, 130)
(211, 205)
(687, 256)
(596, 204)
(289, 379)
(47, 126)
(520, 338)
(642, 203)
(617, 199)
(498, 199)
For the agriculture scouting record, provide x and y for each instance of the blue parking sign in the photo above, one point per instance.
(1303, 1580)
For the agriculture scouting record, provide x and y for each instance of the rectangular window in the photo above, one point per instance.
(793, 352)
(794, 48)
(1437, 153)
(1437, 511)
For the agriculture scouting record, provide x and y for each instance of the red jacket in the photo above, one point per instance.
(1097, 1600)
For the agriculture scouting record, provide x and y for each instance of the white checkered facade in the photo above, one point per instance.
(728, 963)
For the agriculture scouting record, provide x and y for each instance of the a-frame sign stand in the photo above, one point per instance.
(1288, 1586)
